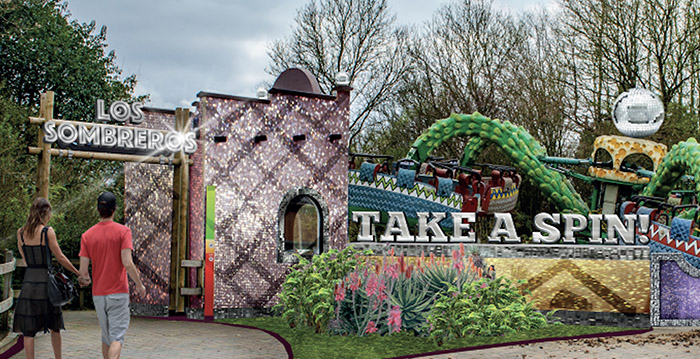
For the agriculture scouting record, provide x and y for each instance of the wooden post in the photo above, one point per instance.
(7, 290)
(180, 206)
(44, 167)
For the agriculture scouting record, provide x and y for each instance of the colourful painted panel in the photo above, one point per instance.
(210, 254)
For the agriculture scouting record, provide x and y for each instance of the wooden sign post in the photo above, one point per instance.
(181, 184)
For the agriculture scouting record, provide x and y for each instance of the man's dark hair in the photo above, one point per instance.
(106, 204)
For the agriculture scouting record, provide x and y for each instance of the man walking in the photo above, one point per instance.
(108, 245)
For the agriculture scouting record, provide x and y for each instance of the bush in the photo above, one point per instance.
(307, 292)
(485, 308)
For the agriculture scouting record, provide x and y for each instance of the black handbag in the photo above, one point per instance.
(59, 287)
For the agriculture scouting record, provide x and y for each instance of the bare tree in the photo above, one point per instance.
(620, 44)
(354, 36)
(462, 61)
(538, 87)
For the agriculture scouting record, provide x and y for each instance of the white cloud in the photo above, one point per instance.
(178, 48)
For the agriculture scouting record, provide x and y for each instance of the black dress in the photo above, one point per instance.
(33, 310)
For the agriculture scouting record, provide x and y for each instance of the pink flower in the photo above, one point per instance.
(340, 292)
(392, 271)
(372, 283)
(382, 290)
(483, 285)
(395, 319)
(354, 282)
(371, 328)
(457, 260)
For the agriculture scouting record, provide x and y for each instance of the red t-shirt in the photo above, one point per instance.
(103, 243)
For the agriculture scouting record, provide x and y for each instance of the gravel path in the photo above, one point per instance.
(662, 342)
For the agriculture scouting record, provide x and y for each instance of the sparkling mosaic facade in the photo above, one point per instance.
(148, 204)
(680, 293)
(675, 291)
(196, 219)
(252, 177)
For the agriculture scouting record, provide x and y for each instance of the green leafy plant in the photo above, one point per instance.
(485, 308)
(307, 293)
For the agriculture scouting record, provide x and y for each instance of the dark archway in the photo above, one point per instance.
(302, 225)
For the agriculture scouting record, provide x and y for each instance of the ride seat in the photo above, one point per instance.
(681, 228)
(652, 212)
(627, 207)
(463, 181)
(445, 187)
(496, 179)
(494, 182)
(406, 178)
(368, 171)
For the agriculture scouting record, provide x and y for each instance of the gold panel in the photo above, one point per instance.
(579, 284)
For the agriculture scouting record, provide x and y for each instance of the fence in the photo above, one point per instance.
(6, 270)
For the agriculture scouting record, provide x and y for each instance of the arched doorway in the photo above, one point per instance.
(302, 225)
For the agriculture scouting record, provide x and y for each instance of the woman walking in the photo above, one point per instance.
(34, 312)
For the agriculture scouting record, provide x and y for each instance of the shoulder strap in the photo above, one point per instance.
(21, 235)
(45, 237)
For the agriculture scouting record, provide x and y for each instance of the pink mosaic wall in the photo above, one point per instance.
(148, 205)
(252, 179)
(196, 219)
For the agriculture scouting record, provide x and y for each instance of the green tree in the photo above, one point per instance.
(42, 49)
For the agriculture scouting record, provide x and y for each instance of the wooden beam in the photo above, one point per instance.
(44, 166)
(191, 263)
(106, 156)
(190, 291)
(181, 125)
(180, 207)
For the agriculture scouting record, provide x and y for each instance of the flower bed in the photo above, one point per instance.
(346, 293)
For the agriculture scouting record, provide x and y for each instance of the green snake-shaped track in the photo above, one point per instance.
(513, 141)
(684, 158)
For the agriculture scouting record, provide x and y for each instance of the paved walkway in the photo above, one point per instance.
(155, 338)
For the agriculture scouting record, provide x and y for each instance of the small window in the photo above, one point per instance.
(603, 158)
(637, 161)
(302, 226)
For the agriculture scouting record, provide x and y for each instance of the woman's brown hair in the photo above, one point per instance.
(39, 210)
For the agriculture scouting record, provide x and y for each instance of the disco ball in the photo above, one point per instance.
(638, 113)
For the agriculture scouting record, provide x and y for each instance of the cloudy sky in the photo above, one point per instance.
(178, 48)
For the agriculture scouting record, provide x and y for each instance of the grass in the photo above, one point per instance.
(306, 344)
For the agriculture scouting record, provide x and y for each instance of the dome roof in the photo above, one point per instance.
(299, 80)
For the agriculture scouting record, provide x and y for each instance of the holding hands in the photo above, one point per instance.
(84, 281)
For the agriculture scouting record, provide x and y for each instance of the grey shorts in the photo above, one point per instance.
(113, 314)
